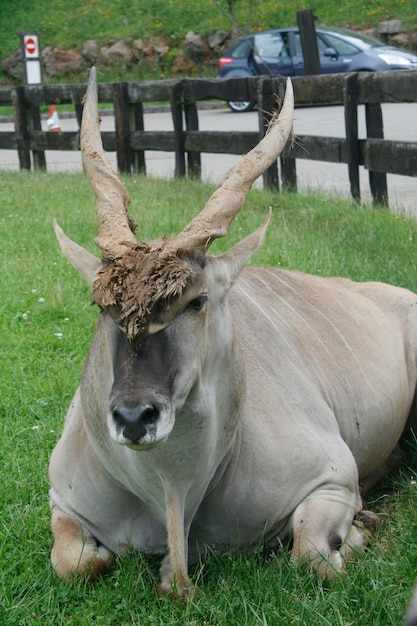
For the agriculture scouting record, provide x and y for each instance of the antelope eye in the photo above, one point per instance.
(198, 303)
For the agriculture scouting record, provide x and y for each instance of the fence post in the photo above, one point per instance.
(31, 52)
(375, 130)
(288, 173)
(306, 26)
(287, 164)
(137, 123)
(39, 160)
(122, 127)
(21, 128)
(266, 107)
(191, 123)
(78, 108)
(350, 96)
(177, 118)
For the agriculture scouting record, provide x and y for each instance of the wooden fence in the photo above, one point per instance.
(131, 142)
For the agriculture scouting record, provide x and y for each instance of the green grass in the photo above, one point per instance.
(64, 25)
(46, 324)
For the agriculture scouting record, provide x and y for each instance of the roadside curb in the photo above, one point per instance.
(203, 106)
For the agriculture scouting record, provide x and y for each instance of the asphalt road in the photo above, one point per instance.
(400, 123)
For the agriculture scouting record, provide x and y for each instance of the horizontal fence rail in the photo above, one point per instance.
(131, 141)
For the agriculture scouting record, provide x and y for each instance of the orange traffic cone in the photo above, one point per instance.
(53, 119)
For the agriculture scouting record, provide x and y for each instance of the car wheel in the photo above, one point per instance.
(240, 106)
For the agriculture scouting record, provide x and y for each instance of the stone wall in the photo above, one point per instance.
(150, 55)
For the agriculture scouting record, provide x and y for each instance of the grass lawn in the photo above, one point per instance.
(46, 325)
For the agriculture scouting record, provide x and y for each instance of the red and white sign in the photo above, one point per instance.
(31, 46)
(31, 51)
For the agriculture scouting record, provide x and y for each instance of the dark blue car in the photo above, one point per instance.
(279, 52)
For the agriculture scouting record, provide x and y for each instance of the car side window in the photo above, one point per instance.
(242, 49)
(341, 47)
(270, 45)
(322, 45)
(298, 51)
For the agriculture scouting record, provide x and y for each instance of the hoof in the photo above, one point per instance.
(181, 592)
(369, 520)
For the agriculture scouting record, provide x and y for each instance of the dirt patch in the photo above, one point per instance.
(133, 285)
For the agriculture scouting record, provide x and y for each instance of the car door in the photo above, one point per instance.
(334, 53)
(296, 52)
(271, 54)
(330, 60)
(344, 52)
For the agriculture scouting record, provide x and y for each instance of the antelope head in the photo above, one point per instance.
(133, 277)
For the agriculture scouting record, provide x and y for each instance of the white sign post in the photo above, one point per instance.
(32, 56)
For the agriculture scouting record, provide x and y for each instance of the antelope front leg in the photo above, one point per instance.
(75, 549)
(173, 583)
(325, 534)
(174, 571)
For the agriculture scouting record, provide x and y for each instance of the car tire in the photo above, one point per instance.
(240, 106)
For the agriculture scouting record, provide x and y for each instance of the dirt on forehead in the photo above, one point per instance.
(134, 283)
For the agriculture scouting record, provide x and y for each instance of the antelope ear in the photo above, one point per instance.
(84, 262)
(239, 256)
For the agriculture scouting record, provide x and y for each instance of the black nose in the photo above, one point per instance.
(136, 421)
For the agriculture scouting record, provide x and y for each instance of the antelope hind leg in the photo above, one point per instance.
(75, 549)
(395, 459)
(325, 535)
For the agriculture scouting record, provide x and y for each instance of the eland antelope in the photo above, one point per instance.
(220, 404)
